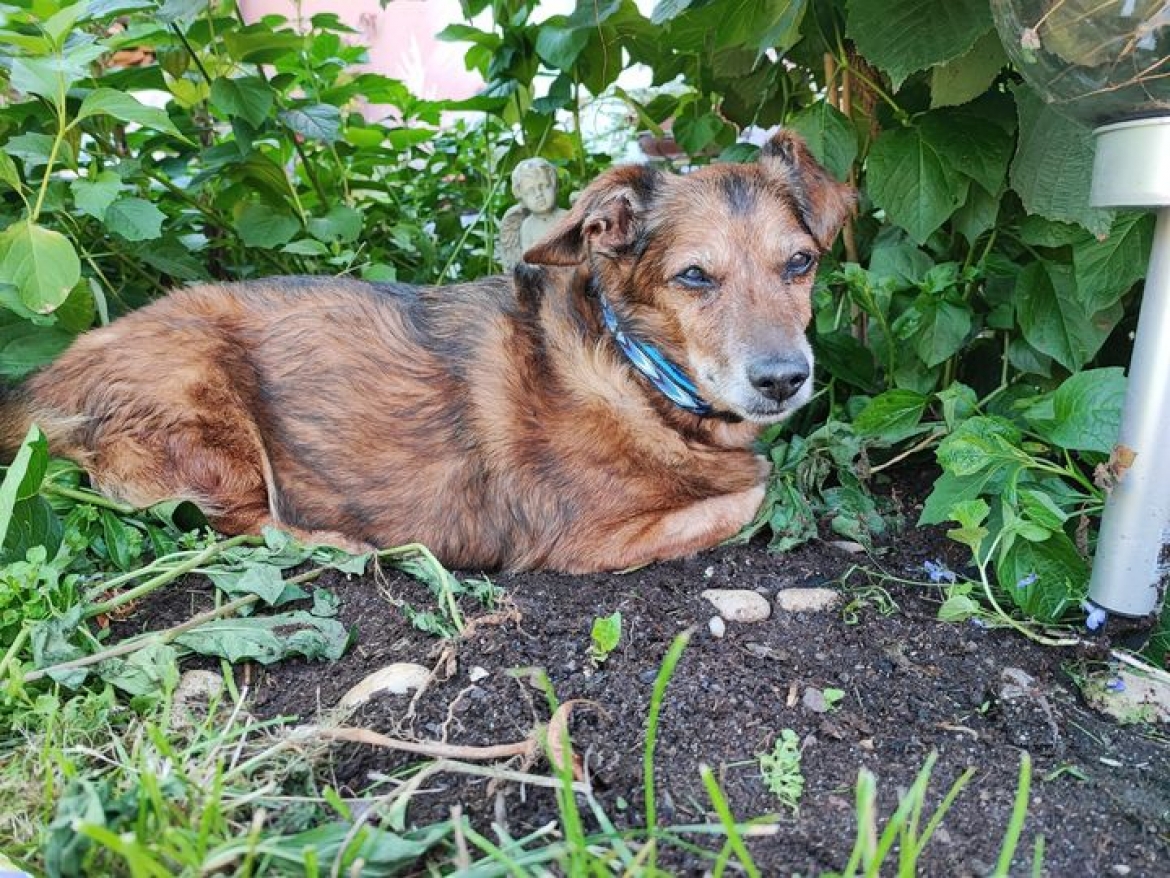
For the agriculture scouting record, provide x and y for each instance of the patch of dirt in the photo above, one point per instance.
(1100, 792)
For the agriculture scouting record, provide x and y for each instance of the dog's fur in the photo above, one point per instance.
(494, 421)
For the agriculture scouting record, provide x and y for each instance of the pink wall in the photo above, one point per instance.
(400, 39)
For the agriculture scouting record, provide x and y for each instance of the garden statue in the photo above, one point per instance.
(534, 183)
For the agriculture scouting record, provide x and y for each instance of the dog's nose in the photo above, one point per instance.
(778, 378)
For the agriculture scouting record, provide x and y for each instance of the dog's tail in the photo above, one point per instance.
(15, 417)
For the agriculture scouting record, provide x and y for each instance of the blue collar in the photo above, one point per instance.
(670, 380)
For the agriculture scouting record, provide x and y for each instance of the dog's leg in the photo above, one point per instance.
(674, 534)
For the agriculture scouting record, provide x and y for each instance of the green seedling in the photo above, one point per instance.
(606, 634)
(780, 769)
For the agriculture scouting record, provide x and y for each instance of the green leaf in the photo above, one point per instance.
(970, 514)
(263, 580)
(34, 524)
(40, 263)
(970, 75)
(904, 36)
(23, 476)
(1085, 411)
(121, 547)
(914, 178)
(341, 225)
(972, 146)
(152, 670)
(891, 416)
(25, 346)
(830, 136)
(268, 639)
(134, 219)
(1106, 268)
(248, 97)
(51, 77)
(1053, 167)
(846, 358)
(943, 331)
(1061, 576)
(126, 108)
(980, 444)
(94, 196)
(560, 46)
(695, 129)
(314, 122)
(605, 636)
(958, 402)
(1053, 316)
(259, 225)
(792, 520)
(8, 172)
(34, 150)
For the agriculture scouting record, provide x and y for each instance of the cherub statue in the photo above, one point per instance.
(534, 183)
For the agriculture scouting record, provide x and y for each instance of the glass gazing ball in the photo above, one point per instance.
(1099, 61)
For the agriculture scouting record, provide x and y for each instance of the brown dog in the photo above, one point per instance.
(595, 411)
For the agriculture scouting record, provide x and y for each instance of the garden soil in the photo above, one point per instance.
(912, 685)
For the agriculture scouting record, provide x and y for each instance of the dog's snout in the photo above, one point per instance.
(778, 378)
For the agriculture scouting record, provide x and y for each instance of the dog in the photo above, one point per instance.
(597, 410)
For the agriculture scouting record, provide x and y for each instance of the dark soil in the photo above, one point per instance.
(1100, 792)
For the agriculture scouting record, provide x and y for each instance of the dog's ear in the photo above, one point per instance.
(823, 202)
(605, 220)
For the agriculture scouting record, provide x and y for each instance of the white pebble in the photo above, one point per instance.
(717, 626)
(739, 604)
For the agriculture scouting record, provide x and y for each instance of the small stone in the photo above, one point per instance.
(717, 626)
(814, 700)
(476, 674)
(1120, 869)
(807, 600)
(739, 604)
(709, 572)
(847, 546)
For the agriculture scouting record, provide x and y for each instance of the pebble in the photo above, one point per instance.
(477, 673)
(847, 546)
(807, 600)
(814, 700)
(717, 626)
(739, 604)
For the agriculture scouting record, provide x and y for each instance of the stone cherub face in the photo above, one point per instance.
(534, 183)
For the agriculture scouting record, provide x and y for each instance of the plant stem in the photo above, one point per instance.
(167, 576)
(87, 497)
(136, 643)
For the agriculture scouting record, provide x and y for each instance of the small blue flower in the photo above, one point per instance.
(1116, 685)
(1028, 580)
(979, 623)
(1096, 615)
(938, 571)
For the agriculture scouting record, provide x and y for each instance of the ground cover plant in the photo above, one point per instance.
(971, 325)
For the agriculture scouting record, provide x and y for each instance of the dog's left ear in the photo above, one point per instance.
(605, 220)
(823, 202)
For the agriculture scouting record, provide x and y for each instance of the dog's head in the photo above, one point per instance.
(715, 268)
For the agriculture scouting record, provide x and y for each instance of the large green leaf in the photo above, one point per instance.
(891, 416)
(942, 331)
(830, 136)
(913, 174)
(135, 219)
(1056, 571)
(314, 122)
(903, 36)
(22, 479)
(24, 346)
(970, 75)
(248, 97)
(125, 108)
(1053, 167)
(974, 147)
(268, 639)
(1056, 320)
(1107, 267)
(93, 195)
(261, 225)
(1084, 413)
(40, 263)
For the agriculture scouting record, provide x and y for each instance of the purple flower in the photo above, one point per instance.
(938, 572)
(1096, 615)
(1028, 580)
(1116, 685)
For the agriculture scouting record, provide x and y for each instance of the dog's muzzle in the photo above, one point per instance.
(779, 378)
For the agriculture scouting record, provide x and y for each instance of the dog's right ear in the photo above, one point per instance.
(605, 220)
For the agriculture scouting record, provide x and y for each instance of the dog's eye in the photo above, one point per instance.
(800, 264)
(695, 278)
